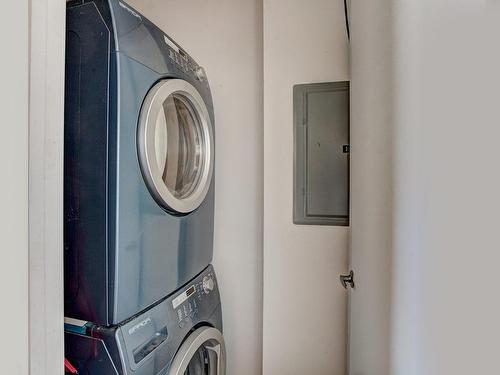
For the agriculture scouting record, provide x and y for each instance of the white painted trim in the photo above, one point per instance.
(46, 294)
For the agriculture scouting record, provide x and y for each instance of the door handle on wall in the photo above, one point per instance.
(347, 280)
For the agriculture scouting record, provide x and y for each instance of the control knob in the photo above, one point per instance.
(208, 284)
(200, 74)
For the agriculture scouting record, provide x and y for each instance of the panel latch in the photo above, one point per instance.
(347, 280)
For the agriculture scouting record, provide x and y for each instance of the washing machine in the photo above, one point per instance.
(181, 335)
(138, 167)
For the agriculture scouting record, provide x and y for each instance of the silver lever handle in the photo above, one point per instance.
(347, 280)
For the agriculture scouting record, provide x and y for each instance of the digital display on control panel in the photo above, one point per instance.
(183, 296)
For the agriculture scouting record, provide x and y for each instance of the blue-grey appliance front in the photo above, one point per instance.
(180, 335)
(139, 161)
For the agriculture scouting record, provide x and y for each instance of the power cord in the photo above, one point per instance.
(346, 15)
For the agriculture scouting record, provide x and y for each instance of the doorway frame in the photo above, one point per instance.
(47, 21)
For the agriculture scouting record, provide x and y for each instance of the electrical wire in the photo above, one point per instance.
(346, 15)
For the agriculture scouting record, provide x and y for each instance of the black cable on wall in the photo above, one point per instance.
(346, 15)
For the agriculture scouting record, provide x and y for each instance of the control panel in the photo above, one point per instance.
(183, 61)
(188, 302)
(152, 331)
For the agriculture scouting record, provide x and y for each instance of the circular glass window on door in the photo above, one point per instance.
(175, 145)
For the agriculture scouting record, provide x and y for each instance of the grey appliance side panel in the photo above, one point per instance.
(88, 44)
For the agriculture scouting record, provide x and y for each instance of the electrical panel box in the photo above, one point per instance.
(321, 153)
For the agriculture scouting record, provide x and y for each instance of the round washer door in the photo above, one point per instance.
(176, 145)
(202, 353)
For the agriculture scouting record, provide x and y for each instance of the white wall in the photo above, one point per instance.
(448, 182)
(14, 190)
(225, 36)
(442, 267)
(304, 304)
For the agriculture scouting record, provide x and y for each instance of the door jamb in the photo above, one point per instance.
(46, 139)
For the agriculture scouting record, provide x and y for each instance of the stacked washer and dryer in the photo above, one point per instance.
(141, 296)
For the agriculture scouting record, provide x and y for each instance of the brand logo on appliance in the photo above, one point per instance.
(131, 11)
(138, 326)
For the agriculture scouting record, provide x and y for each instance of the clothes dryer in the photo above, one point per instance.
(139, 164)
